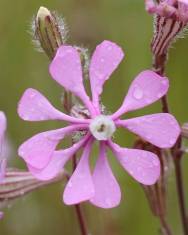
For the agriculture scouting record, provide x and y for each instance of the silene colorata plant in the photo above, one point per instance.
(88, 123)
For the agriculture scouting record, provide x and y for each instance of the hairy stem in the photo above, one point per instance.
(177, 154)
(165, 229)
(181, 198)
(159, 66)
(159, 63)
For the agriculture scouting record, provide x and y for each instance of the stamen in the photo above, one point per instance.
(102, 127)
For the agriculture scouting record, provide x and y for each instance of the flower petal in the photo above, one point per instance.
(107, 190)
(66, 69)
(38, 150)
(146, 88)
(3, 159)
(184, 2)
(105, 60)
(33, 106)
(3, 166)
(57, 162)
(160, 129)
(142, 165)
(1, 215)
(3, 126)
(80, 186)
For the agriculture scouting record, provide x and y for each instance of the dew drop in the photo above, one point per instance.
(92, 191)
(159, 95)
(109, 48)
(32, 95)
(149, 137)
(22, 152)
(172, 141)
(155, 162)
(69, 184)
(102, 60)
(69, 51)
(26, 117)
(138, 93)
(148, 100)
(139, 168)
(164, 82)
(131, 172)
(108, 202)
(115, 63)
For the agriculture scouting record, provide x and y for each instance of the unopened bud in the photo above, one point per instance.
(49, 31)
(18, 183)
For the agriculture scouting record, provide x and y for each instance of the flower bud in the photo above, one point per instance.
(170, 21)
(17, 183)
(49, 31)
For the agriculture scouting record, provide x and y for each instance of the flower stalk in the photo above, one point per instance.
(166, 31)
(159, 66)
(156, 194)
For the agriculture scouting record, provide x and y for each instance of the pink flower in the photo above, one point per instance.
(3, 160)
(177, 9)
(99, 187)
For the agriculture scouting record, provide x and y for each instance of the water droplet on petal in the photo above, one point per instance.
(159, 95)
(149, 137)
(108, 202)
(109, 48)
(172, 141)
(69, 184)
(148, 101)
(131, 172)
(164, 82)
(155, 162)
(102, 60)
(32, 95)
(139, 169)
(115, 63)
(138, 93)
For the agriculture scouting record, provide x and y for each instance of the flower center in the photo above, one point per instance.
(102, 127)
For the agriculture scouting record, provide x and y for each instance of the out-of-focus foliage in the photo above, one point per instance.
(90, 22)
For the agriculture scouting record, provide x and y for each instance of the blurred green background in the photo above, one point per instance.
(21, 66)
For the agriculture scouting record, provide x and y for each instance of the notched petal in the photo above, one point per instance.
(33, 106)
(66, 69)
(80, 186)
(107, 190)
(146, 88)
(142, 165)
(161, 130)
(105, 60)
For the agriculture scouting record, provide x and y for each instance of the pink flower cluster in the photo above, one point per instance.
(99, 186)
(169, 8)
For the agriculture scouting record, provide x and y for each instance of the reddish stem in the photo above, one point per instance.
(159, 66)
(81, 220)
